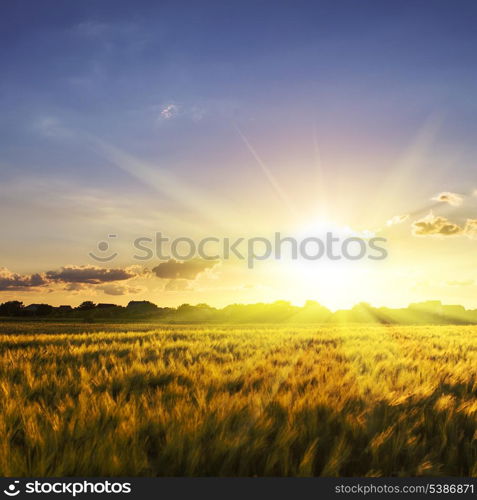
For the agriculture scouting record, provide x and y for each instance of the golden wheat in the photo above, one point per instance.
(237, 401)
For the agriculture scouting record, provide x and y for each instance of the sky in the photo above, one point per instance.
(237, 119)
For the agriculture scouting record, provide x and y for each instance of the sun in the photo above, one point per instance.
(326, 266)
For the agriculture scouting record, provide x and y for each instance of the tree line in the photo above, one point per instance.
(431, 312)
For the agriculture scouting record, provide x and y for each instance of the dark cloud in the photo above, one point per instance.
(14, 281)
(75, 278)
(89, 275)
(187, 270)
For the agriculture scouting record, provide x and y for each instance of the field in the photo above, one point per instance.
(237, 401)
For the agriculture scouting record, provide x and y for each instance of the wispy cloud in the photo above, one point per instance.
(460, 283)
(119, 289)
(172, 110)
(397, 219)
(471, 228)
(453, 199)
(179, 285)
(50, 126)
(121, 31)
(169, 111)
(92, 28)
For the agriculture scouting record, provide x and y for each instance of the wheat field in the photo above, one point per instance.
(268, 400)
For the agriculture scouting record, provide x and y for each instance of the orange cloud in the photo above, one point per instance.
(432, 225)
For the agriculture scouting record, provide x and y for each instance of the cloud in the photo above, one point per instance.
(471, 228)
(75, 278)
(432, 225)
(461, 283)
(178, 285)
(123, 39)
(397, 219)
(92, 29)
(169, 111)
(14, 281)
(114, 289)
(89, 274)
(75, 287)
(165, 112)
(453, 199)
(126, 32)
(197, 113)
(187, 270)
(51, 127)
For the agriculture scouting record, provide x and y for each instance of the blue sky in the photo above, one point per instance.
(365, 108)
(368, 70)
